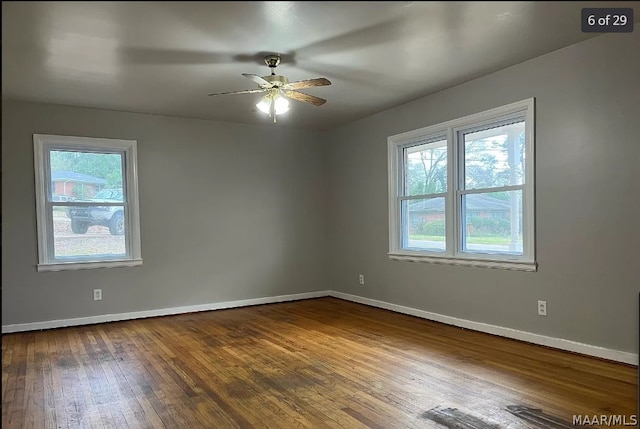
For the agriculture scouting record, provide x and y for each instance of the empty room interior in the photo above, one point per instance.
(320, 214)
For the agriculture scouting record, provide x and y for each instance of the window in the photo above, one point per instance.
(86, 202)
(462, 192)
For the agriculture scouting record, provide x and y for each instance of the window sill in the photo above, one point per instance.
(63, 266)
(467, 262)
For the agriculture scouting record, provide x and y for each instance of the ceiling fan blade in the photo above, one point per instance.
(257, 79)
(246, 91)
(321, 81)
(301, 96)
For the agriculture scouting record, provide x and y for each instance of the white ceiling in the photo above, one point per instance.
(165, 57)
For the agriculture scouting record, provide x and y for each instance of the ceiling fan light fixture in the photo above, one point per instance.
(280, 104)
(273, 103)
(265, 104)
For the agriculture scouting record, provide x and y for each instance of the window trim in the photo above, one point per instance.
(44, 222)
(452, 130)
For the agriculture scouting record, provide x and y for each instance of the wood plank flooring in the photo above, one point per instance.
(320, 363)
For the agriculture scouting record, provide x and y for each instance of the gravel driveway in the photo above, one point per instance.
(97, 241)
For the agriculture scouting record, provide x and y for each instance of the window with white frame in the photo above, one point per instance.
(462, 192)
(86, 202)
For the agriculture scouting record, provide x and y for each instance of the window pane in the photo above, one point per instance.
(79, 175)
(423, 226)
(492, 222)
(426, 168)
(494, 157)
(89, 231)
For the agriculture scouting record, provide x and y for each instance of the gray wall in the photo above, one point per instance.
(587, 207)
(228, 212)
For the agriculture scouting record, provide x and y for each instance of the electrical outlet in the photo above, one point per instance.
(542, 308)
(361, 279)
(97, 294)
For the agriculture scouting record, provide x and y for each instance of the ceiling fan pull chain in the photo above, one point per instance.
(272, 108)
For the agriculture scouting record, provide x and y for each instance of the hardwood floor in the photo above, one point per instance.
(320, 363)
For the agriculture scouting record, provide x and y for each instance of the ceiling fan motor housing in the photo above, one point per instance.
(275, 81)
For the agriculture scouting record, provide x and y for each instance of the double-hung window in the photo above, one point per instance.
(462, 192)
(86, 202)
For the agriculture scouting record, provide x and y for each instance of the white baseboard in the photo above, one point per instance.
(558, 343)
(50, 324)
(529, 337)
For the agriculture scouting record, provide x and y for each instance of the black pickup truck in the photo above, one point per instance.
(110, 216)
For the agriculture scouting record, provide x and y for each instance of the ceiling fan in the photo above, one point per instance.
(278, 88)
